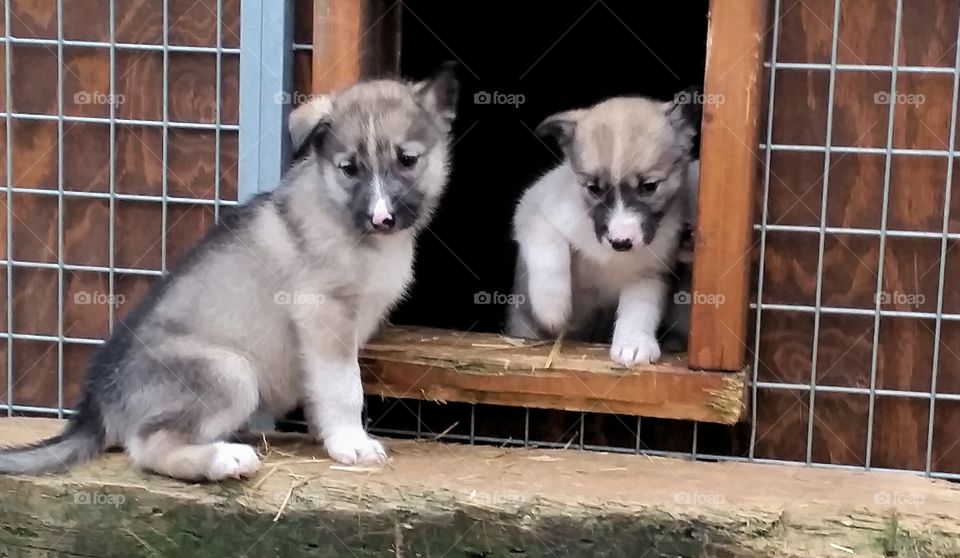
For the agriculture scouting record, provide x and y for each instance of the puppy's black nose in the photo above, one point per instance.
(383, 225)
(621, 244)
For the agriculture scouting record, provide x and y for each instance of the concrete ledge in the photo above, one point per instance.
(438, 499)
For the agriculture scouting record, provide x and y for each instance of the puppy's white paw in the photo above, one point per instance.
(233, 461)
(643, 350)
(551, 310)
(354, 447)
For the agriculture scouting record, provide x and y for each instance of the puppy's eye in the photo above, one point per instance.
(349, 168)
(593, 187)
(408, 160)
(649, 187)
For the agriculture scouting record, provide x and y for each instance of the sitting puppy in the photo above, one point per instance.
(598, 235)
(269, 311)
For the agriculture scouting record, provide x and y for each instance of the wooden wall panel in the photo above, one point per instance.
(35, 301)
(946, 442)
(782, 418)
(790, 274)
(130, 291)
(194, 23)
(911, 274)
(859, 120)
(34, 154)
(850, 264)
(796, 188)
(33, 79)
(86, 163)
(786, 347)
(866, 31)
(186, 225)
(139, 155)
(900, 432)
(908, 209)
(86, 236)
(801, 96)
(922, 111)
(86, 304)
(140, 21)
(86, 20)
(845, 351)
(139, 78)
(905, 354)
(139, 225)
(86, 82)
(948, 378)
(35, 228)
(929, 33)
(806, 31)
(33, 18)
(840, 428)
(856, 188)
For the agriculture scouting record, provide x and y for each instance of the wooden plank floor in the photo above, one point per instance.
(443, 365)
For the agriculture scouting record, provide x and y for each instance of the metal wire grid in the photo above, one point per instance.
(818, 309)
(61, 194)
(577, 437)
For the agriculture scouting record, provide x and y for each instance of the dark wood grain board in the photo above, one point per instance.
(866, 31)
(840, 428)
(86, 236)
(86, 304)
(859, 118)
(782, 417)
(845, 350)
(87, 20)
(856, 190)
(86, 157)
(900, 432)
(796, 188)
(929, 33)
(33, 18)
(786, 347)
(806, 31)
(946, 437)
(905, 354)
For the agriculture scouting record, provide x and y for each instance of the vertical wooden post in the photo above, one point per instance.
(730, 171)
(353, 39)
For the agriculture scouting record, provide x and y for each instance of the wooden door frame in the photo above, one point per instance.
(360, 38)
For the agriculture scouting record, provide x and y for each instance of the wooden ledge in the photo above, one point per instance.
(444, 365)
(437, 499)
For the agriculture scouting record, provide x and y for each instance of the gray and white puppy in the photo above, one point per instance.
(270, 309)
(598, 234)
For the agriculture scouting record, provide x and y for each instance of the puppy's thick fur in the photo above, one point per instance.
(598, 234)
(270, 309)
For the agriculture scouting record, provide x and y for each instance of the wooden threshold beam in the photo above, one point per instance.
(443, 365)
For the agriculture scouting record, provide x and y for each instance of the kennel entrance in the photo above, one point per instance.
(507, 88)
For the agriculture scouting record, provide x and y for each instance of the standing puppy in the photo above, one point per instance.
(598, 234)
(270, 309)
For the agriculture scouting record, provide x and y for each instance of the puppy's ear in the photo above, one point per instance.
(314, 140)
(560, 126)
(686, 108)
(439, 94)
(684, 113)
(304, 122)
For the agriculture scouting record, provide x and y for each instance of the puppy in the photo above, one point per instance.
(270, 309)
(598, 235)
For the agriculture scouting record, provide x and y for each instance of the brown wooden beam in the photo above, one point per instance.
(731, 166)
(354, 39)
(443, 365)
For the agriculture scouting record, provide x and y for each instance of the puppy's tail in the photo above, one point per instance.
(82, 440)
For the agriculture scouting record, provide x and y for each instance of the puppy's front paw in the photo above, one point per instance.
(232, 461)
(354, 447)
(642, 350)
